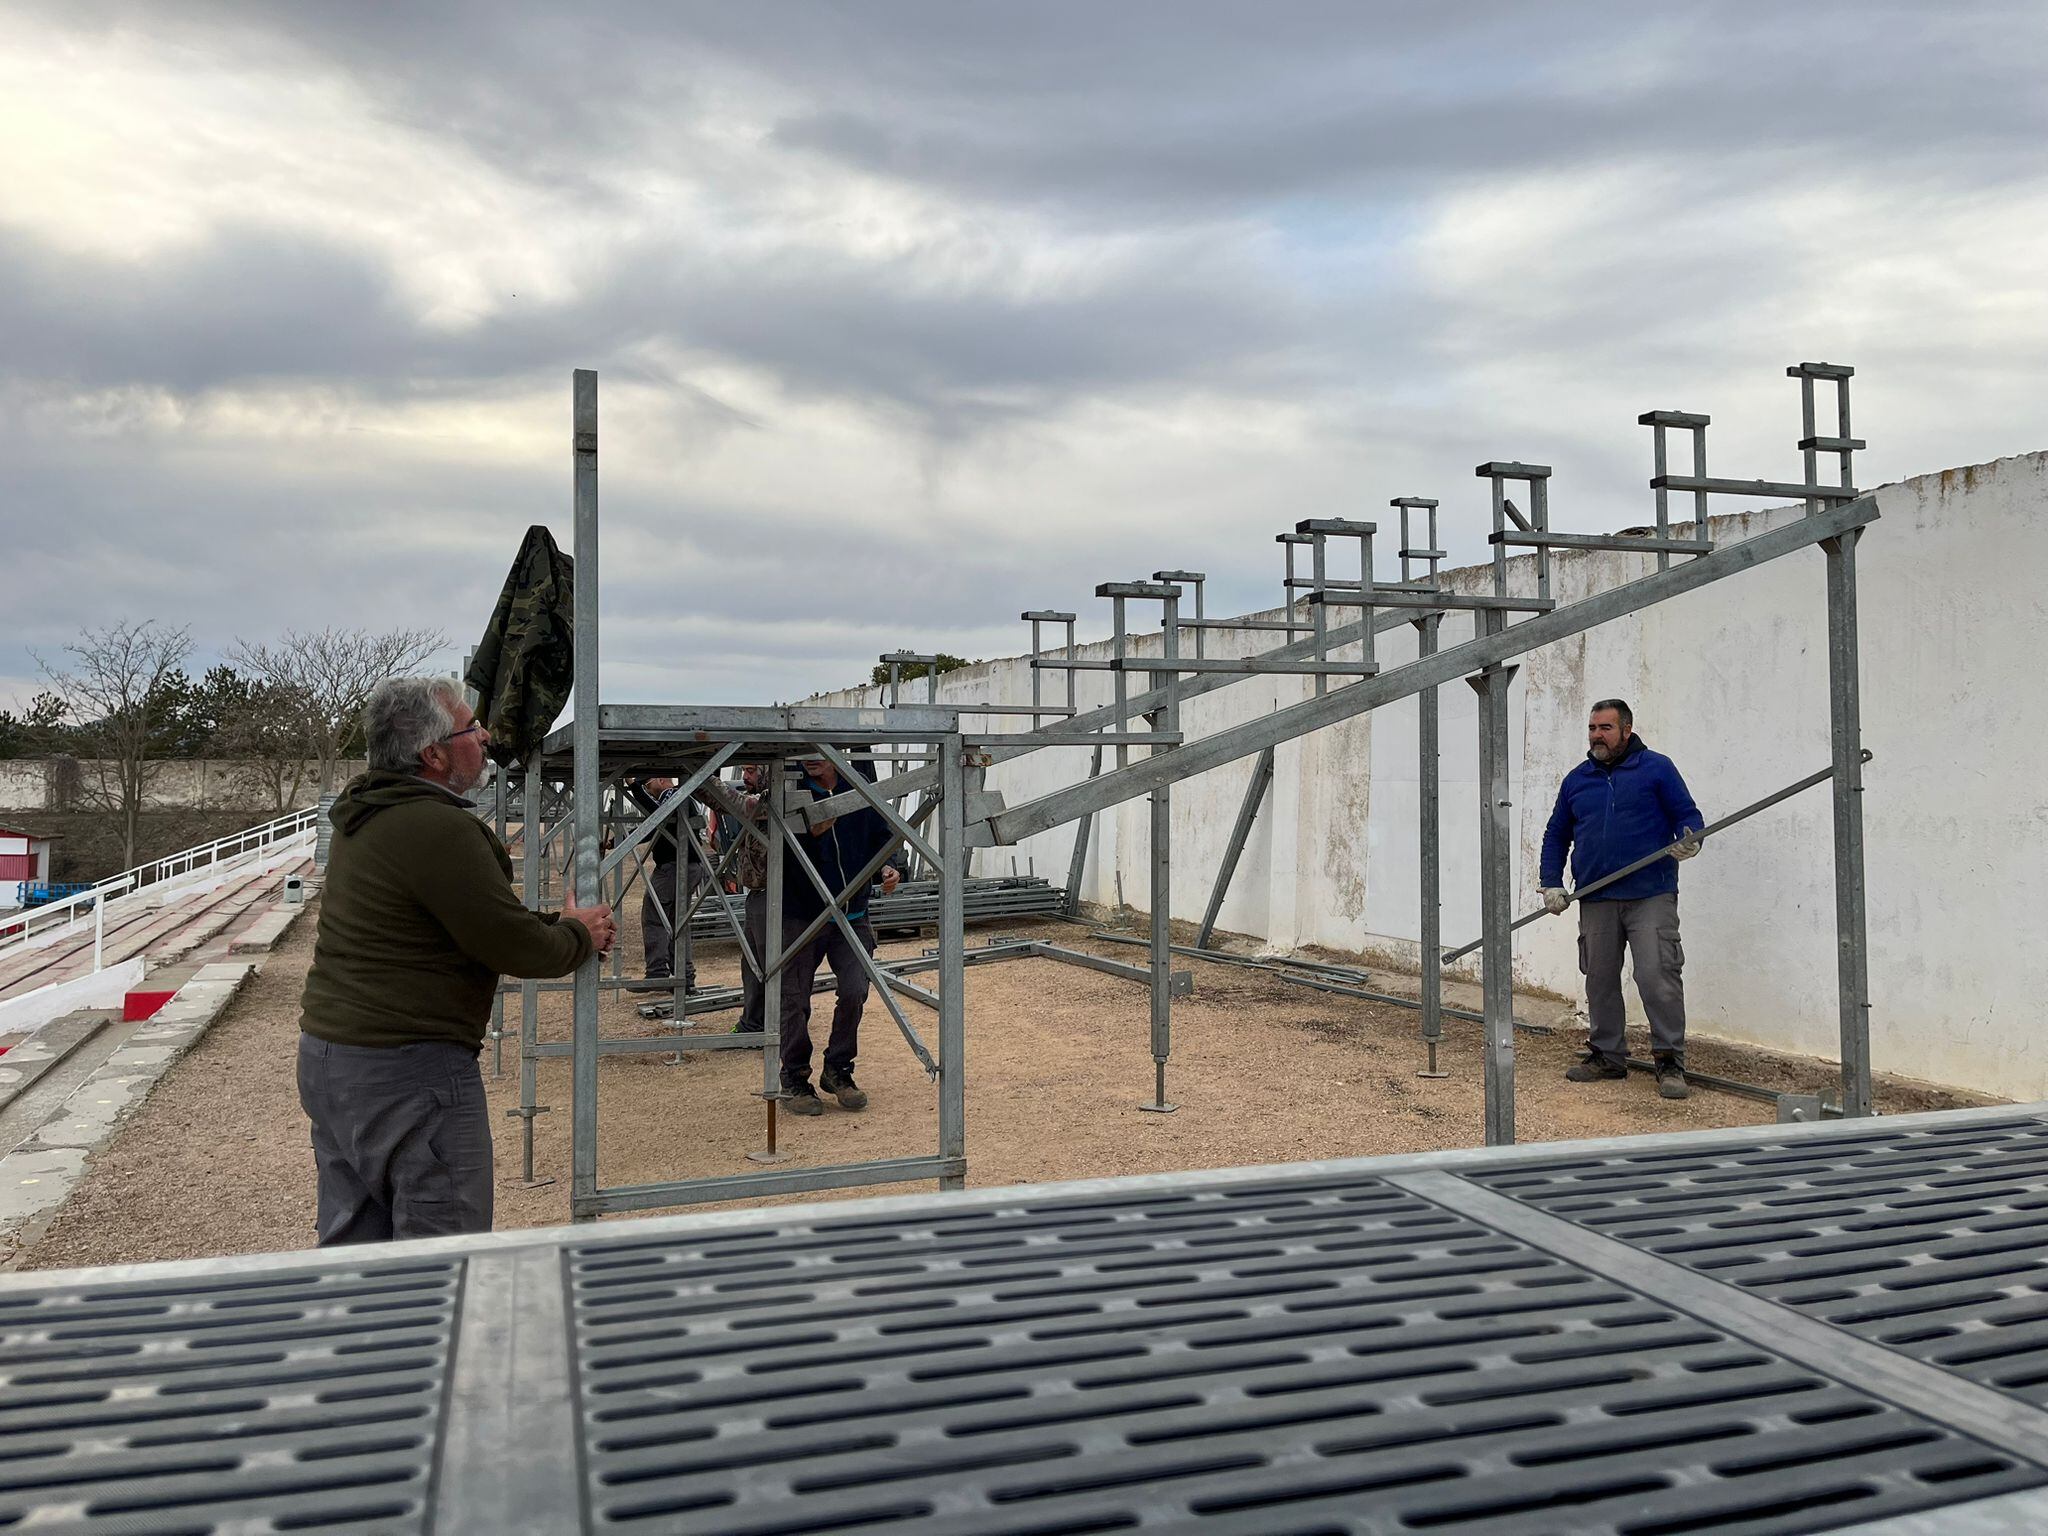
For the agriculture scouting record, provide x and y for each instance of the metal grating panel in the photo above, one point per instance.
(1259, 1359)
(1933, 1242)
(281, 1402)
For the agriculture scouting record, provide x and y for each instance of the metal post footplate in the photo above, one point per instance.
(1834, 1326)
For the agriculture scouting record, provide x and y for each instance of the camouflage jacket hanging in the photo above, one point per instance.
(524, 668)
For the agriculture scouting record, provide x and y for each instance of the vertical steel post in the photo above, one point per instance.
(1496, 850)
(1660, 461)
(1319, 573)
(954, 856)
(1166, 718)
(589, 802)
(497, 998)
(1121, 680)
(1429, 786)
(680, 958)
(611, 804)
(531, 864)
(772, 968)
(1845, 720)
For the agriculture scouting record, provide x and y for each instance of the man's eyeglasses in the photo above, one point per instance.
(470, 729)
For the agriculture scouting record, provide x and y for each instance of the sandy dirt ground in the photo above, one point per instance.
(216, 1161)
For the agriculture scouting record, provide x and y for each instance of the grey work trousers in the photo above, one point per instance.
(659, 905)
(1648, 931)
(851, 978)
(401, 1139)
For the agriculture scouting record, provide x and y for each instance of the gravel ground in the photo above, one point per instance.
(216, 1161)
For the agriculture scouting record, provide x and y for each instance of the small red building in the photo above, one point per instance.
(24, 858)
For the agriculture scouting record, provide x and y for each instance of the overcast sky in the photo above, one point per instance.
(911, 316)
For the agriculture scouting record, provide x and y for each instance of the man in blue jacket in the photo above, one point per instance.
(838, 849)
(1621, 804)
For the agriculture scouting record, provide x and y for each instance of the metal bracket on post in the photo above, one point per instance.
(1536, 524)
(1661, 422)
(1798, 1108)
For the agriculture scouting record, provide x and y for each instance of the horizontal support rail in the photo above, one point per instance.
(1200, 756)
(759, 1186)
(1625, 541)
(1777, 488)
(1436, 602)
(1249, 666)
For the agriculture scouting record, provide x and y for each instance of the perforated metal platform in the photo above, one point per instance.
(1792, 1329)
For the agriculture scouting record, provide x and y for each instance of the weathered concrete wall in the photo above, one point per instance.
(1731, 682)
(34, 784)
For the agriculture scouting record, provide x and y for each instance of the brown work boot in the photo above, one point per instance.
(1594, 1069)
(1671, 1083)
(843, 1088)
(802, 1100)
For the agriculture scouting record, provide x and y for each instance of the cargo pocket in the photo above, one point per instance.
(1582, 954)
(1670, 951)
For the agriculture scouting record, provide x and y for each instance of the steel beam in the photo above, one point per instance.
(1051, 810)
(1845, 719)
(1247, 814)
(1429, 793)
(587, 884)
(1496, 855)
(953, 863)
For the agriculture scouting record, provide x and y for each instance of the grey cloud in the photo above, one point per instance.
(1260, 174)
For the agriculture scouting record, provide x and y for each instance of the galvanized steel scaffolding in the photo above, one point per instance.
(942, 811)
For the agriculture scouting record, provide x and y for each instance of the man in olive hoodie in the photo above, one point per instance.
(418, 920)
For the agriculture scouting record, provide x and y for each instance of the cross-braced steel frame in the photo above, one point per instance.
(945, 795)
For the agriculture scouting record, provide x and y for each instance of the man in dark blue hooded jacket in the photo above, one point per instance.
(838, 849)
(1621, 804)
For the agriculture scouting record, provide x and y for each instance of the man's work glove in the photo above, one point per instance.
(1555, 899)
(1688, 845)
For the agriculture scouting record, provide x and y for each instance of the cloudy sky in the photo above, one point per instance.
(910, 316)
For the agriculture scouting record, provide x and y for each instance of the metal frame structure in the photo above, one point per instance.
(1331, 645)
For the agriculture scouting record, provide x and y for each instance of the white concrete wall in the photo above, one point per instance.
(1731, 682)
(30, 784)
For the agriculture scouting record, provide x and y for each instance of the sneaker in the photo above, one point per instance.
(1595, 1069)
(1671, 1083)
(842, 1087)
(802, 1100)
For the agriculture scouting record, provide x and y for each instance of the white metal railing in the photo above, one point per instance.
(18, 929)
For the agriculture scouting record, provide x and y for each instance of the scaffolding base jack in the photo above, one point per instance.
(1432, 1070)
(1159, 1105)
(769, 1154)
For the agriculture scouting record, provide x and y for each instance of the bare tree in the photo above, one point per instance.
(114, 676)
(326, 676)
(264, 732)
